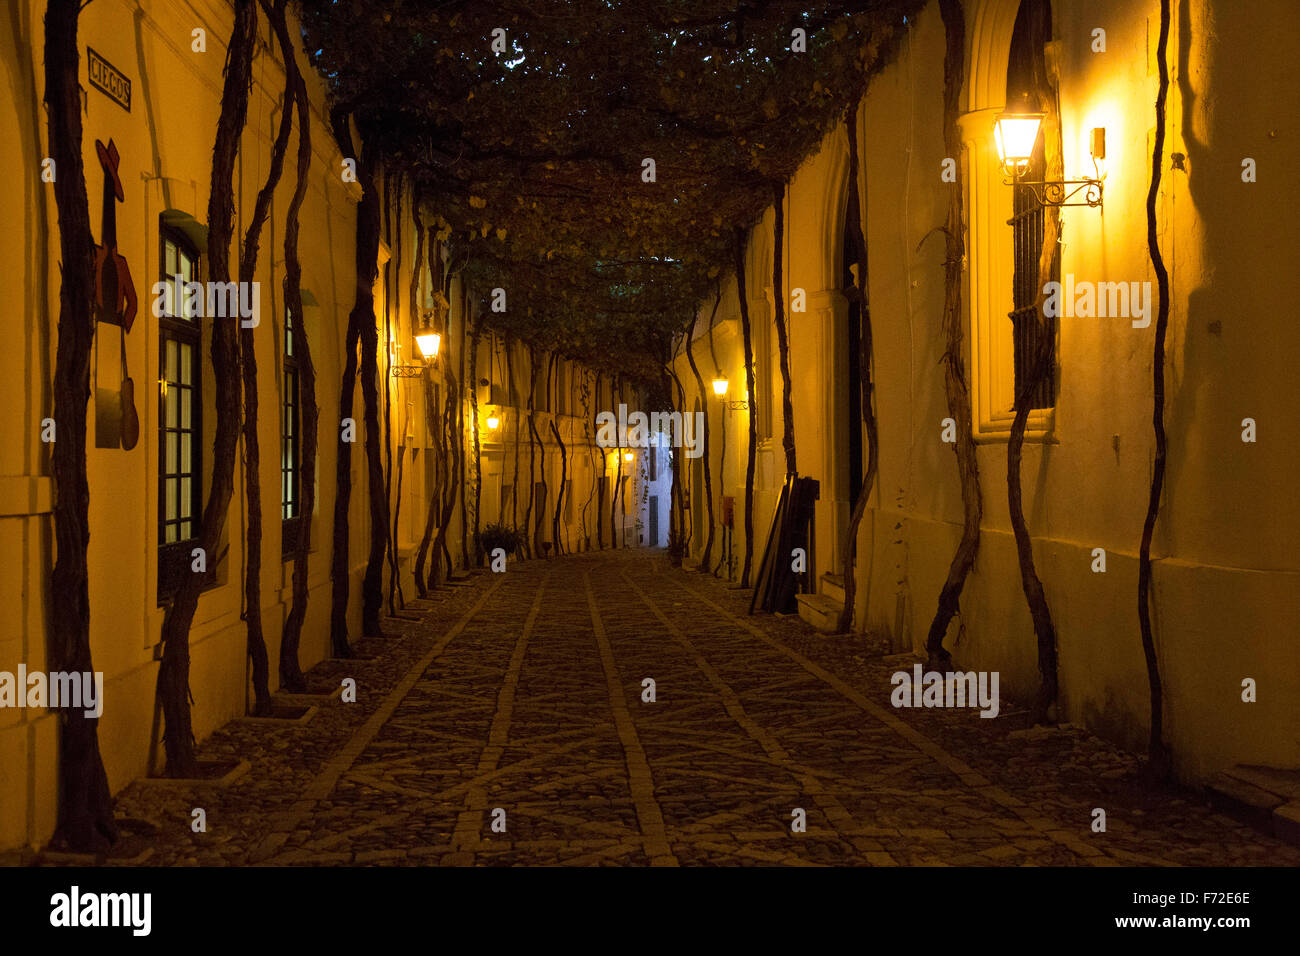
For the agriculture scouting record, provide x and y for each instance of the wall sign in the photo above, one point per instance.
(108, 79)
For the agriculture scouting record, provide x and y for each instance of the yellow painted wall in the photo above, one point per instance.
(1226, 566)
(165, 141)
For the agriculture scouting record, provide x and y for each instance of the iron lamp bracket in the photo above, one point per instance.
(408, 371)
(1063, 192)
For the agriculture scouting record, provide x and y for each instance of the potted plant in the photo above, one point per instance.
(500, 535)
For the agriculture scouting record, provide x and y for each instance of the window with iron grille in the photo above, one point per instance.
(1033, 334)
(290, 464)
(180, 474)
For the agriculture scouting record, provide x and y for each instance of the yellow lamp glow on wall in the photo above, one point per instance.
(1016, 134)
(428, 343)
(720, 384)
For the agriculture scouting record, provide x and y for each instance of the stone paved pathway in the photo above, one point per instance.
(523, 693)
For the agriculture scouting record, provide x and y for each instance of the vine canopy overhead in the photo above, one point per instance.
(594, 158)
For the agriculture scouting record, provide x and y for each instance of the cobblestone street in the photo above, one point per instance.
(523, 691)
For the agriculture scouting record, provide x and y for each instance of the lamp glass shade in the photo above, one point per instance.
(428, 343)
(627, 456)
(1016, 134)
(720, 385)
(493, 422)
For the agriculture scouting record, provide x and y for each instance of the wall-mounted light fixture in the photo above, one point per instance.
(1016, 134)
(427, 341)
(720, 384)
(493, 422)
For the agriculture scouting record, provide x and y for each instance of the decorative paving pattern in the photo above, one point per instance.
(518, 700)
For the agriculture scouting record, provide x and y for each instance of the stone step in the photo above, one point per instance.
(1284, 783)
(832, 585)
(822, 612)
(1267, 798)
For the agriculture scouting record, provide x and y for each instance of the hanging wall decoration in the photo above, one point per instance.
(115, 299)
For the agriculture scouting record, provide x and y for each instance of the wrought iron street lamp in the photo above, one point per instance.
(720, 384)
(1016, 134)
(427, 341)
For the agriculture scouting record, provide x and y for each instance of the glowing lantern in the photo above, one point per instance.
(1016, 134)
(428, 343)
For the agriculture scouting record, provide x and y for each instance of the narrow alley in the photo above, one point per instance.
(524, 692)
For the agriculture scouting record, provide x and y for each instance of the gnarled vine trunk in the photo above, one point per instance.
(372, 584)
(597, 473)
(1039, 368)
(1158, 757)
(532, 452)
(252, 445)
(85, 811)
(1044, 629)
(752, 401)
(618, 475)
(362, 315)
(722, 456)
(782, 341)
(559, 497)
(174, 671)
(956, 388)
(461, 478)
(395, 503)
(706, 555)
(849, 551)
(433, 423)
(478, 447)
(417, 272)
(450, 481)
(539, 535)
(539, 528)
(290, 671)
(686, 523)
(514, 415)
